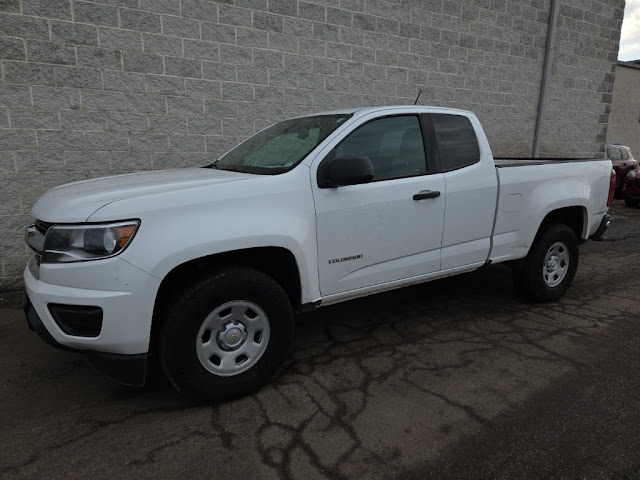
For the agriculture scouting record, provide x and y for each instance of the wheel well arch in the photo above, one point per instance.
(276, 262)
(574, 217)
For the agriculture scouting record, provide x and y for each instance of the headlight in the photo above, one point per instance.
(78, 243)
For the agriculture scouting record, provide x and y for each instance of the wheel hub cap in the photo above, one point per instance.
(556, 264)
(232, 335)
(232, 338)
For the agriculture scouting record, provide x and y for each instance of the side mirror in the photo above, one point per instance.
(341, 171)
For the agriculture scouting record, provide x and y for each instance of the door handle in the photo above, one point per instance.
(426, 194)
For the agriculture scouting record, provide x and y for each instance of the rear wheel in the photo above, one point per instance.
(549, 268)
(631, 203)
(226, 335)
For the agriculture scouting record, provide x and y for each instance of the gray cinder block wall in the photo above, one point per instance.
(92, 88)
(624, 121)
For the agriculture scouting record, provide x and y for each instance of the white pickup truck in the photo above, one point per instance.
(202, 269)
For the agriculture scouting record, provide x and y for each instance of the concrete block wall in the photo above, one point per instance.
(624, 119)
(92, 88)
(583, 74)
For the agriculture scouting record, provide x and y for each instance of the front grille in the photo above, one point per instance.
(43, 227)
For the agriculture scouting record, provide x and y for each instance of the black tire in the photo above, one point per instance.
(631, 203)
(529, 277)
(185, 316)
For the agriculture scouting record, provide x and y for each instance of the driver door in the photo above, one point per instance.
(375, 233)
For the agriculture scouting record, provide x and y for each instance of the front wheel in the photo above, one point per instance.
(550, 266)
(226, 335)
(631, 203)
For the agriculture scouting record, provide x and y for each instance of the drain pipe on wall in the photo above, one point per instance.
(546, 75)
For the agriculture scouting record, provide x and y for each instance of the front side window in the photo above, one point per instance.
(280, 147)
(394, 145)
(457, 142)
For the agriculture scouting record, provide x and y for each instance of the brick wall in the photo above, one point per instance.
(624, 120)
(91, 88)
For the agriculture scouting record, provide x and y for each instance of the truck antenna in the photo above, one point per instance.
(419, 93)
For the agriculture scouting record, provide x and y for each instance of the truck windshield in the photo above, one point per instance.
(281, 146)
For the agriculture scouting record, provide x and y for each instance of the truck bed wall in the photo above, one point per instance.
(530, 192)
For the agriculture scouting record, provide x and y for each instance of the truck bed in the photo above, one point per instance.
(526, 195)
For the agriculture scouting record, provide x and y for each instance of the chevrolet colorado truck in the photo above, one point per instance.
(202, 269)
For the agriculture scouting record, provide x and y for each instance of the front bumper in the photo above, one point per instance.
(124, 369)
(125, 294)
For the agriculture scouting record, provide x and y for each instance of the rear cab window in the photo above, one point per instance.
(457, 142)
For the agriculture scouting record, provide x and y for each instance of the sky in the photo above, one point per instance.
(630, 37)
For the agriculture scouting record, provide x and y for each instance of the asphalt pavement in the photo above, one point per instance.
(459, 378)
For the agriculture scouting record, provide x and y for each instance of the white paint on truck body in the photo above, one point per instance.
(347, 242)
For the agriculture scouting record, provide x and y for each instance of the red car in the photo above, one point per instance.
(622, 161)
(631, 188)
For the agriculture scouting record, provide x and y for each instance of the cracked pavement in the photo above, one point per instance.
(459, 378)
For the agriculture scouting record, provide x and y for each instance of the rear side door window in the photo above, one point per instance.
(394, 145)
(457, 142)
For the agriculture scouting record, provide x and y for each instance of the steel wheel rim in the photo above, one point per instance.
(232, 338)
(556, 264)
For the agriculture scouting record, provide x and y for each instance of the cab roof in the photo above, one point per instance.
(390, 108)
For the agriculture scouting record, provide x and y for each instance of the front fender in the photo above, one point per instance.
(272, 211)
(164, 251)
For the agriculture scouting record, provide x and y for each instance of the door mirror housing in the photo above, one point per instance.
(342, 171)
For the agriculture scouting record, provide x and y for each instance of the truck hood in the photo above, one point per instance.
(76, 202)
